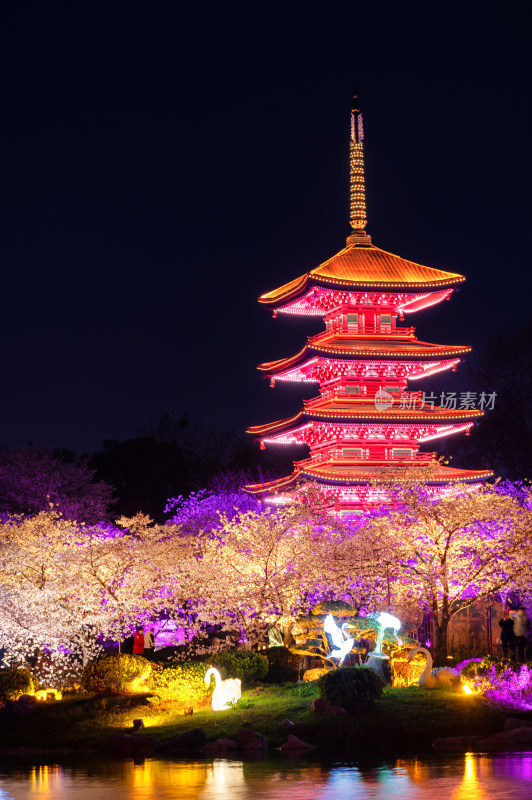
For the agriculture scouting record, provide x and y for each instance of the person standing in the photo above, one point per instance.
(138, 642)
(149, 643)
(521, 627)
(507, 633)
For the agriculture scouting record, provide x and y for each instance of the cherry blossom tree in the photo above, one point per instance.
(270, 567)
(447, 551)
(31, 479)
(43, 608)
(66, 586)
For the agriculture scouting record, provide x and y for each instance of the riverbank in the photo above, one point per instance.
(403, 720)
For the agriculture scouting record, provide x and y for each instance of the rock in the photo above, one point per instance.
(295, 743)
(251, 740)
(24, 705)
(313, 674)
(507, 740)
(220, 746)
(381, 665)
(320, 705)
(511, 724)
(129, 745)
(336, 711)
(142, 746)
(455, 744)
(190, 740)
(287, 725)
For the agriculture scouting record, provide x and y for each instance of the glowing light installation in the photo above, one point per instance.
(384, 620)
(225, 692)
(362, 293)
(441, 678)
(339, 638)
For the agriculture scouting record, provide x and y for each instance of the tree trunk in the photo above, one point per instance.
(440, 628)
(288, 639)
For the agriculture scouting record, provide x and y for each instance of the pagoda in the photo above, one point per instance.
(365, 427)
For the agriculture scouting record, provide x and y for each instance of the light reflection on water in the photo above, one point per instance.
(470, 777)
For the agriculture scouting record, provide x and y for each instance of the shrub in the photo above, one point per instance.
(283, 665)
(503, 681)
(249, 667)
(183, 683)
(15, 681)
(116, 674)
(480, 667)
(350, 687)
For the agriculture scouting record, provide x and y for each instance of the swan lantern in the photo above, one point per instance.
(225, 692)
(343, 644)
(384, 620)
(441, 678)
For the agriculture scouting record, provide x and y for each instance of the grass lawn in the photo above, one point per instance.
(403, 719)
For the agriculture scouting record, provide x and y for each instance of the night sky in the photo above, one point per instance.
(161, 167)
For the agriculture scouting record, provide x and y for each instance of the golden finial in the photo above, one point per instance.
(357, 209)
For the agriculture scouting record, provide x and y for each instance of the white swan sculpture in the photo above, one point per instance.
(225, 692)
(340, 640)
(441, 678)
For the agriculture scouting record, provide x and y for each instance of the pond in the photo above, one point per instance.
(469, 777)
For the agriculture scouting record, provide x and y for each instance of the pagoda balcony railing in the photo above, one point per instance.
(369, 331)
(341, 393)
(338, 457)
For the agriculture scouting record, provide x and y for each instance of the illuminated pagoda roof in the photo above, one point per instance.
(375, 348)
(356, 411)
(364, 266)
(361, 265)
(363, 474)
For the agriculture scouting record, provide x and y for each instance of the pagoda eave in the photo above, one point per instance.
(386, 350)
(361, 433)
(273, 487)
(365, 414)
(388, 286)
(367, 268)
(435, 476)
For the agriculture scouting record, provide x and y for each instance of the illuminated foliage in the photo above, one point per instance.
(31, 479)
(447, 552)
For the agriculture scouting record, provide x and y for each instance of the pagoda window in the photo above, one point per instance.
(352, 389)
(386, 322)
(352, 452)
(392, 390)
(402, 453)
(352, 322)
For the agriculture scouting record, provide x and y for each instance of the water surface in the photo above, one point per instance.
(469, 777)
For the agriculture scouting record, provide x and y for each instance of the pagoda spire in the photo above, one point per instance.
(357, 206)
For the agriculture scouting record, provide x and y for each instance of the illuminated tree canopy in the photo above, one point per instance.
(67, 587)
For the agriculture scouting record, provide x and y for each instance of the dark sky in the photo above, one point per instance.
(161, 166)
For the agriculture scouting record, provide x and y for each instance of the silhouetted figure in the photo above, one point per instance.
(149, 643)
(507, 634)
(521, 628)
